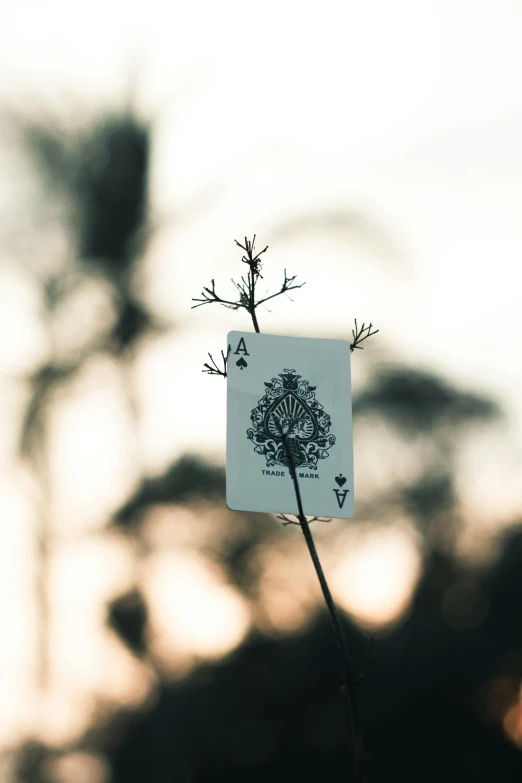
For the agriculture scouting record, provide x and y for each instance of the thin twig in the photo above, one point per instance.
(357, 335)
(287, 286)
(209, 295)
(215, 370)
(296, 521)
(246, 288)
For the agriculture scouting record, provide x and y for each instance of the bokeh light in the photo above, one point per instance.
(376, 578)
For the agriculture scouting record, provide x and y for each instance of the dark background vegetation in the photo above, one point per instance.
(437, 686)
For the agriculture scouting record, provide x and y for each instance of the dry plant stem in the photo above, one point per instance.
(359, 336)
(247, 300)
(348, 690)
(350, 696)
(252, 308)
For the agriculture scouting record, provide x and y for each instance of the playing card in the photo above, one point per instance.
(296, 388)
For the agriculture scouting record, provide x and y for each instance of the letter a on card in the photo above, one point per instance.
(299, 386)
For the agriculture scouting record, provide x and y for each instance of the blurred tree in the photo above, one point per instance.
(421, 406)
(100, 173)
(416, 402)
(188, 479)
(270, 709)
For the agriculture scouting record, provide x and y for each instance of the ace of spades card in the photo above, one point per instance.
(301, 387)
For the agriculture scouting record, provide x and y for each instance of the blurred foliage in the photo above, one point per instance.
(271, 709)
(112, 189)
(103, 170)
(189, 478)
(100, 173)
(95, 178)
(428, 497)
(127, 616)
(420, 402)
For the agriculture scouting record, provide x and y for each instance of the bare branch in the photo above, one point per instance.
(244, 293)
(210, 296)
(288, 521)
(246, 288)
(215, 370)
(297, 522)
(287, 286)
(319, 519)
(357, 335)
(253, 261)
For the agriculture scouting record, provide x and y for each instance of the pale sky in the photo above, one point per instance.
(410, 112)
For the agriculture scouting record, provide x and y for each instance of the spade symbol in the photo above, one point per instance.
(340, 479)
(242, 364)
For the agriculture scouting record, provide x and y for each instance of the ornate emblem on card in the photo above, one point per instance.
(290, 403)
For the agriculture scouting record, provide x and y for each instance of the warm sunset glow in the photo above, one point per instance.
(22, 342)
(488, 459)
(80, 768)
(512, 721)
(288, 589)
(193, 611)
(87, 660)
(58, 717)
(17, 609)
(92, 452)
(375, 580)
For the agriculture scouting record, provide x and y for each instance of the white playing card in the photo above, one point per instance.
(304, 382)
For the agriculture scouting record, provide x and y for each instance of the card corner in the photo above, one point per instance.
(230, 508)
